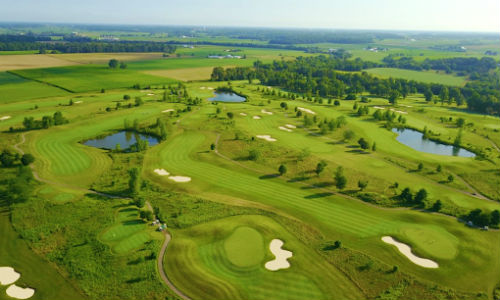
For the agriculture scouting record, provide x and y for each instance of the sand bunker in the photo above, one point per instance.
(282, 256)
(267, 138)
(378, 107)
(290, 126)
(20, 293)
(180, 178)
(210, 88)
(266, 112)
(406, 251)
(151, 94)
(8, 275)
(202, 87)
(168, 110)
(306, 110)
(243, 114)
(285, 128)
(161, 172)
(256, 117)
(4, 118)
(398, 111)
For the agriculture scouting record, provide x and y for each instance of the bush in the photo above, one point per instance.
(27, 159)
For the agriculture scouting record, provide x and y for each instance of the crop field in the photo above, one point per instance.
(427, 77)
(31, 61)
(230, 178)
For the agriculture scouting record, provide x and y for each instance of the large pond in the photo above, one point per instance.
(227, 97)
(124, 138)
(415, 139)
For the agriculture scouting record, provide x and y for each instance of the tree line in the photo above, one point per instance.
(461, 65)
(319, 77)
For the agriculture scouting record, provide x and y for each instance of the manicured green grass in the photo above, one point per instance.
(198, 263)
(360, 225)
(245, 247)
(91, 77)
(128, 233)
(14, 88)
(421, 76)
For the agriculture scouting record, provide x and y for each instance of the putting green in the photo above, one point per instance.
(128, 233)
(434, 241)
(245, 247)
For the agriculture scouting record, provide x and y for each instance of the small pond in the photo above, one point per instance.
(415, 139)
(124, 138)
(227, 97)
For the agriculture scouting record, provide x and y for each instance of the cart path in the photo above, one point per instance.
(167, 235)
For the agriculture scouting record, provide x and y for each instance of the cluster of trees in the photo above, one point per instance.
(158, 129)
(238, 73)
(462, 65)
(18, 188)
(30, 123)
(114, 63)
(418, 199)
(41, 43)
(179, 93)
(9, 159)
(317, 76)
(481, 219)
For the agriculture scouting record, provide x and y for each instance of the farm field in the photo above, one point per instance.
(427, 77)
(285, 195)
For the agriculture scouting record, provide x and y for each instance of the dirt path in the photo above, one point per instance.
(167, 239)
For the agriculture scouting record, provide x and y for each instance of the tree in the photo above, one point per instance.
(393, 97)
(284, 105)
(406, 195)
(212, 146)
(420, 167)
(139, 202)
(439, 169)
(27, 159)
(113, 63)
(134, 182)
(374, 146)
(450, 178)
(362, 184)
(282, 170)
(340, 179)
(420, 197)
(123, 65)
(126, 97)
(444, 94)
(437, 205)
(348, 135)
(320, 167)
(138, 101)
(337, 244)
(495, 217)
(363, 144)
(253, 154)
(230, 115)
(7, 158)
(460, 122)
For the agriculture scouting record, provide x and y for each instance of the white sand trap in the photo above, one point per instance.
(306, 110)
(180, 178)
(406, 251)
(285, 129)
(202, 87)
(282, 256)
(256, 117)
(267, 138)
(210, 88)
(8, 275)
(77, 102)
(20, 293)
(161, 172)
(168, 110)
(151, 94)
(266, 112)
(378, 107)
(398, 111)
(243, 114)
(290, 126)
(5, 118)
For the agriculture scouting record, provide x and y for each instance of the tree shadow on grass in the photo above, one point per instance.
(298, 179)
(131, 209)
(318, 195)
(120, 205)
(133, 222)
(269, 176)
(357, 151)
(96, 196)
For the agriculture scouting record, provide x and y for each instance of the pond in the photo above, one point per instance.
(124, 138)
(415, 139)
(227, 97)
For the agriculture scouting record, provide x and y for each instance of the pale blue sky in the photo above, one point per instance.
(443, 15)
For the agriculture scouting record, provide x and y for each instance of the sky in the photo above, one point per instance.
(433, 15)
